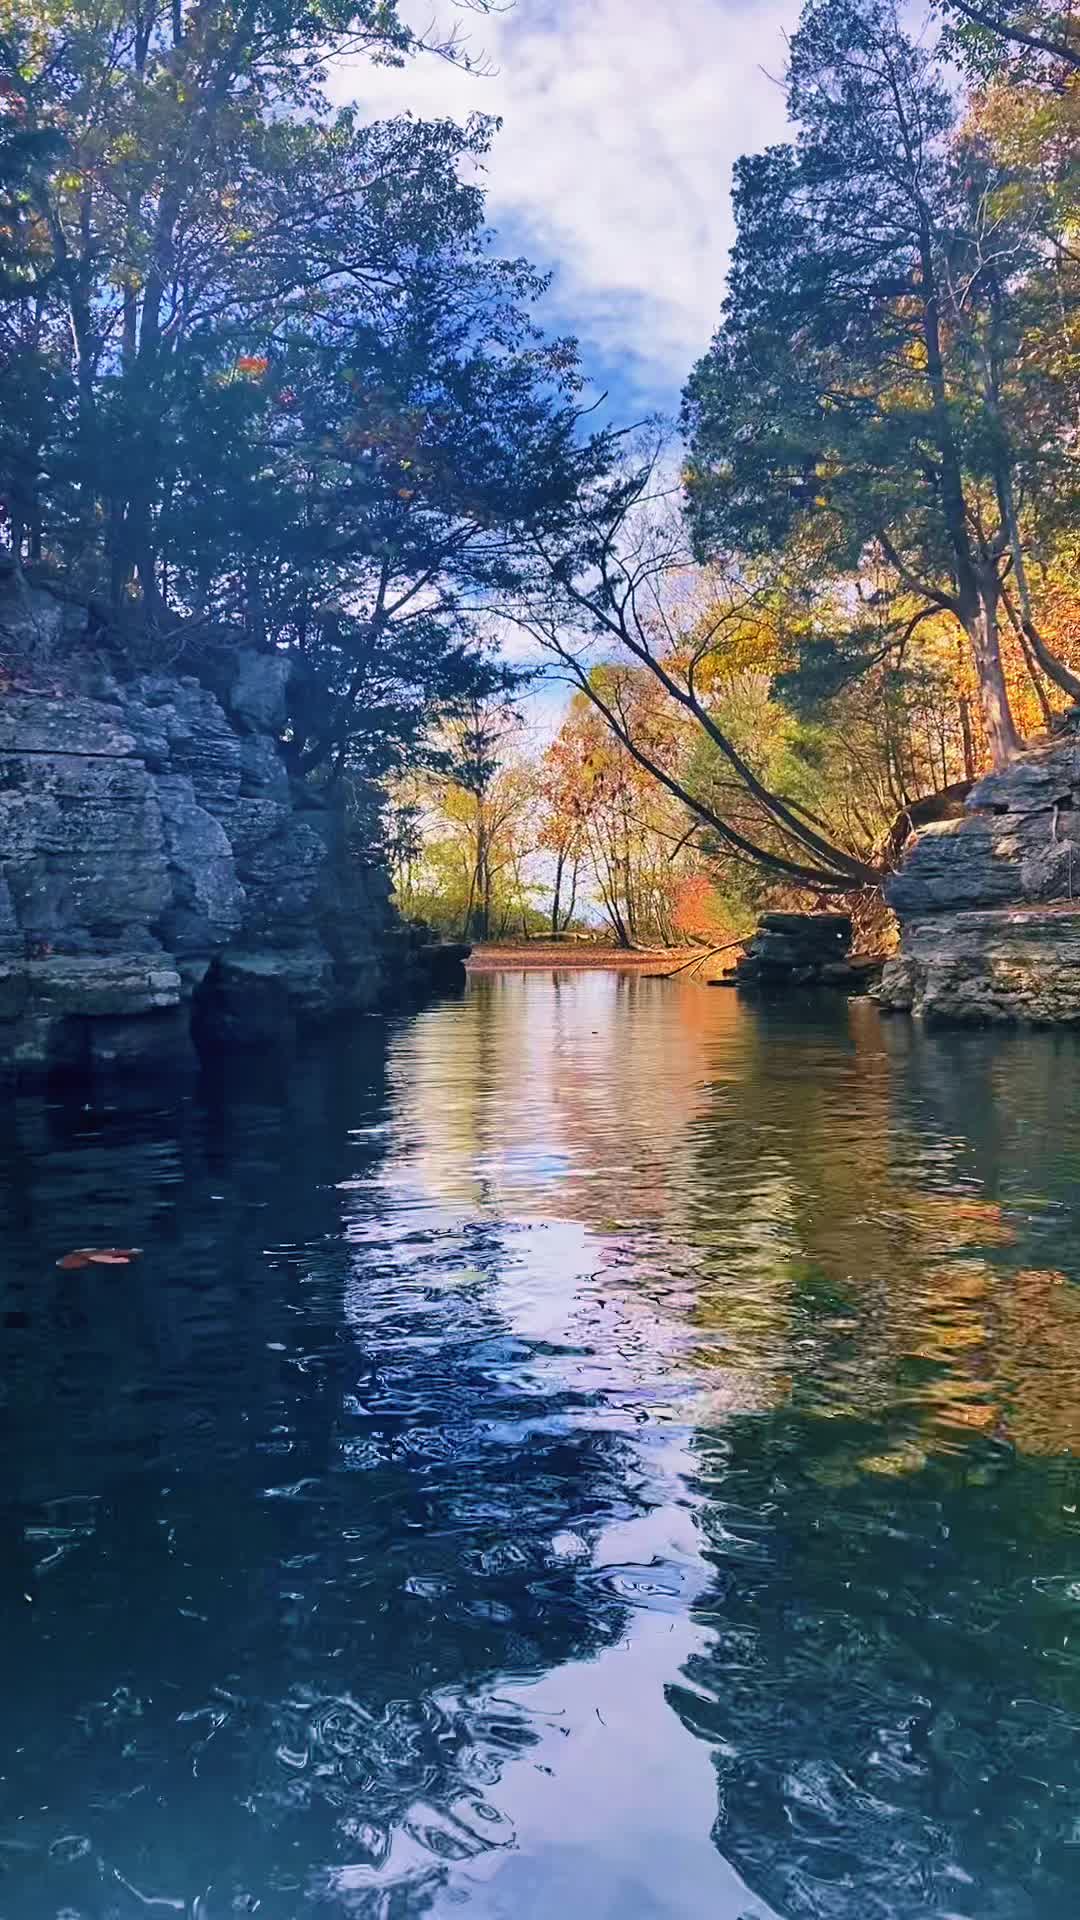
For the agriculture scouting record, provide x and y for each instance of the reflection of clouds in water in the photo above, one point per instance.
(589, 1116)
(533, 1092)
(490, 1395)
(384, 1458)
(533, 1303)
(626, 1350)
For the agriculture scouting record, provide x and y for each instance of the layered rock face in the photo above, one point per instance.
(160, 874)
(989, 904)
(802, 950)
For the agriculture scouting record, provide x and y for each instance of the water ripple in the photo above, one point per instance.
(591, 1448)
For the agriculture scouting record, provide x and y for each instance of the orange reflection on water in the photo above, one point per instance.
(811, 1206)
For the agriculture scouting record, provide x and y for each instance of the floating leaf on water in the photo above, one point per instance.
(906, 1458)
(98, 1257)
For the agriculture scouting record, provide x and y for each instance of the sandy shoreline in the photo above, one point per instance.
(543, 955)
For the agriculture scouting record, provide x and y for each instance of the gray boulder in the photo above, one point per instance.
(989, 905)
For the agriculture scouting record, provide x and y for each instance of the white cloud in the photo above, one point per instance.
(622, 120)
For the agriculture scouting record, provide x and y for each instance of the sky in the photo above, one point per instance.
(621, 123)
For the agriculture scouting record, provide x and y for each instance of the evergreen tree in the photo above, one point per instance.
(866, 394)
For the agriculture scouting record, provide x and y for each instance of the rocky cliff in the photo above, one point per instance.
(161, 876)
(989, 904)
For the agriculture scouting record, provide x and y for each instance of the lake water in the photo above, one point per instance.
(593, 1449)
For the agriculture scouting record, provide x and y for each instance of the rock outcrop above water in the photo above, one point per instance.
(802, 950)
(989, 904)
(161, 875)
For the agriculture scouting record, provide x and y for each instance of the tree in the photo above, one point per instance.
(621, 580)
(26, 265)
(1049, 31)
(609, 815)
(562, 828)
(376, 508)
(866, 393)
(279, 385)
(172, 119)
(25, 256)
(485, 801)
(462, 830)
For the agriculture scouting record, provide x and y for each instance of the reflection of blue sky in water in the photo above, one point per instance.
(589, 1450)
(367, 1520)
(560, 1362)
(847, 1226)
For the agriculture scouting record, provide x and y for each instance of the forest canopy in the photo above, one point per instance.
(264, 373)
(261, 367)
(861, 592)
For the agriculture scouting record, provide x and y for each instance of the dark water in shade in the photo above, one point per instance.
(591, 1450)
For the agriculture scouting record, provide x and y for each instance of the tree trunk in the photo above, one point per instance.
(977, 585)
(981, 627)
(618, 924)
(487, 899)
(146, 566)
(556, 905)
(478, 924)
(965, 735)
(574, 871)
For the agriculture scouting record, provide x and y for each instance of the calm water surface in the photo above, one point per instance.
(593, 1450)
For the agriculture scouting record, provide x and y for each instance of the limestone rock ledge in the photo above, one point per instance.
(162, 877)
(989, 904)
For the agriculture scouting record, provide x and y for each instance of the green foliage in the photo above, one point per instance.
(25, 152)
(986, 35)
(812, 405)
(279, 383)
(870, 396)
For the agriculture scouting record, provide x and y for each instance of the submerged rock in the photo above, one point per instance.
(989, 904)
(161, 875)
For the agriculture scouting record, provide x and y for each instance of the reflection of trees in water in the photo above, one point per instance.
(845, 1211)
(590, 1071)
(899, 1234)
(286, 1506)
(889, 1689)
(293, 1495)
(855, 1222)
